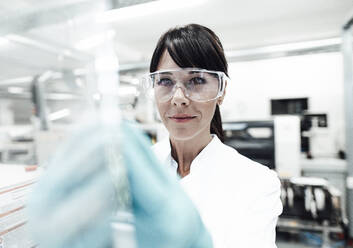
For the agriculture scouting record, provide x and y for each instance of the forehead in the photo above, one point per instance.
(166, 62)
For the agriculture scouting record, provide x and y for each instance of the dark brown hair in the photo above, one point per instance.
(194, 45)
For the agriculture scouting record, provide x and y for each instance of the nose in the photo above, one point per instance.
(179, 98)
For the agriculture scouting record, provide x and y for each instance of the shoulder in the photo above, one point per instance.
(255, 183)
(246, 171)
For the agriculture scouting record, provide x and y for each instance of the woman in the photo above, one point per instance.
(238, 199)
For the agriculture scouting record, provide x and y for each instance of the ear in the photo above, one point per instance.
(220, 99)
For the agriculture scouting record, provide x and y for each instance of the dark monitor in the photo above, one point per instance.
(253, 139)
(289, 106)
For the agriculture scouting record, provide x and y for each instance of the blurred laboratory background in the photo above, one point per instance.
(289, 104)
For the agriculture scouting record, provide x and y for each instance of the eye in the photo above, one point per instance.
(165, 82)
(197, 80)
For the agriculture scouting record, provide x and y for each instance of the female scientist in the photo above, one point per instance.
(238, 199)
(234, 201)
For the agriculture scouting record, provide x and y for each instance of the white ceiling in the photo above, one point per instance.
(239, 24)
(242, 24)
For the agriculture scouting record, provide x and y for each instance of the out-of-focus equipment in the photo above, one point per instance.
(291, 106)
(15, 185)
(274, 143)
(253, 139)
(311, 204)
(16, 146)
(38, 98)
(287, 142)
(315, 135)
(311, 126)
(310, 198)
(334, 170)
(347, 49)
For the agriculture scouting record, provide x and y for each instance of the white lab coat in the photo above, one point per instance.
(238, 199)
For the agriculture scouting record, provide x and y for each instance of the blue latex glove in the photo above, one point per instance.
(73, 202)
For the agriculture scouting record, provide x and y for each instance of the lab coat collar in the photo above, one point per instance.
(164, 153)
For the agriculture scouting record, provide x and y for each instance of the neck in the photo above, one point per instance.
(185, 151)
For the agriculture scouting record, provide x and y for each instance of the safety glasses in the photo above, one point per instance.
(197, 84)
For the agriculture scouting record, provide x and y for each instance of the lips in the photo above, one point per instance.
(182, 117)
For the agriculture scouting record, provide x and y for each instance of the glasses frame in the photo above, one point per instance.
(223, 78)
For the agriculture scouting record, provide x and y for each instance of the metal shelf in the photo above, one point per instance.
(288, 224)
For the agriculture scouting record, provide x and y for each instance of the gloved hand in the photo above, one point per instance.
(165, 216)
(73, 202)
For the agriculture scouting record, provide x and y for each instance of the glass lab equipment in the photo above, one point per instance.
(60, 59)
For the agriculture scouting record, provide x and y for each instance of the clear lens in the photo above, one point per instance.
(197, 84)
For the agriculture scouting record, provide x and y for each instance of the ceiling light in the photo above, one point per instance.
(285, 48)
(59, 114)
(145, 9)
(20, 80)
(15, 90)
(94, 40)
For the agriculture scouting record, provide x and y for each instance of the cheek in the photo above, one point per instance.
(162, 109)
(208, 110)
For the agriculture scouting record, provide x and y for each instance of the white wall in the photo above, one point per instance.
(318, 77)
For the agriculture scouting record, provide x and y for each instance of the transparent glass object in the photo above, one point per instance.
(52, 57)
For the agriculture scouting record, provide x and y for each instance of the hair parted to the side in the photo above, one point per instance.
(194, 45)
